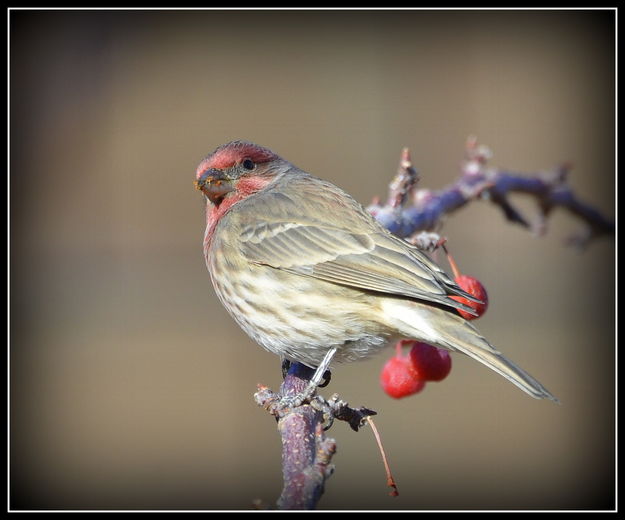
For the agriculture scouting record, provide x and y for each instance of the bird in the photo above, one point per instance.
(310, 275)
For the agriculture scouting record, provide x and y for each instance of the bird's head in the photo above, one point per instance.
(238, 167)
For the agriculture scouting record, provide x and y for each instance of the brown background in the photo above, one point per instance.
(132, 388)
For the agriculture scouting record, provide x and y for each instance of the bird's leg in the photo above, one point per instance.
(286, 364)
(327, 375)
(299, 387)
(319, 377)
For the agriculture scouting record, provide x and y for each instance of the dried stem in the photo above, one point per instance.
(390, 481)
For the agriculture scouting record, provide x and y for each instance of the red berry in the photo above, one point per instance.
(398, 378)
(471, 285)
(430, 363)
(475, 288)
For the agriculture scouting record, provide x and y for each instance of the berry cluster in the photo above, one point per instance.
(404, 375)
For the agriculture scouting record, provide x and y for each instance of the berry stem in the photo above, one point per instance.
(390, 481)
(452, 263)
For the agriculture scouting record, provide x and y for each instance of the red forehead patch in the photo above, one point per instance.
(233, 153)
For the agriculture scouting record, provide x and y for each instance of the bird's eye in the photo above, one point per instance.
(248, 164)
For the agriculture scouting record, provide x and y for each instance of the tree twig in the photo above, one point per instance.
(409, 211)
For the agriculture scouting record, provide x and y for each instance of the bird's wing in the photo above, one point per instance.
(339, 243)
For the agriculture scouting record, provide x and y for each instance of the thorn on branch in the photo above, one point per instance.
(404, 183)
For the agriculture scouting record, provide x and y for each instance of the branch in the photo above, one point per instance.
(409, 211)
(306, 451)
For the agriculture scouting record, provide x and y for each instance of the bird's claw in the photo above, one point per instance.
(331, 409)
(335, 408)
(279, 405)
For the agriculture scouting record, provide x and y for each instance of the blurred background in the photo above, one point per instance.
(130, 386)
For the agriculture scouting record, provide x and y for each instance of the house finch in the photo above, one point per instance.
(310, 275)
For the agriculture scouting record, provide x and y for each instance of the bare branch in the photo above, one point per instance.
(409, 211)
(306, 451)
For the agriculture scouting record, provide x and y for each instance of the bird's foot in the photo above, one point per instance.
(335, 408)
(331, 409)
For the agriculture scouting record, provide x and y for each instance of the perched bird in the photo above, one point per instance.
(310, 275)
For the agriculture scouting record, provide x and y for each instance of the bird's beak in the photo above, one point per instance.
(215, 184)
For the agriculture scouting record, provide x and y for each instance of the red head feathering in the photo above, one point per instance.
(229, 154)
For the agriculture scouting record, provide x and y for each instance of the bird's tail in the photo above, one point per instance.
(446, 330)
